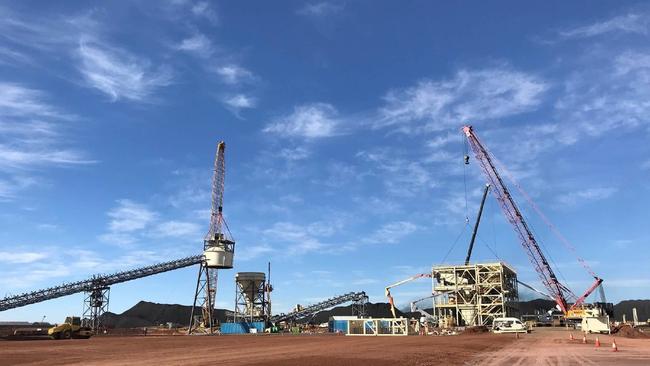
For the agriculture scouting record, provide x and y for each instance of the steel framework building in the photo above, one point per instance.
(474, 294)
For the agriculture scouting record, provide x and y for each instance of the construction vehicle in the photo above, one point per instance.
(71, 328)
(390, 297)
(578, 310)
(509, 325)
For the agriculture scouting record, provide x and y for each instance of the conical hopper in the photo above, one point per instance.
(251, 284)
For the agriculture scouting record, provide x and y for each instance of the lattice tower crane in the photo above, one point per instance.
(218, 251)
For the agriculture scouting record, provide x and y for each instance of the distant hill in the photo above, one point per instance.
(148, 314)
(625, 307)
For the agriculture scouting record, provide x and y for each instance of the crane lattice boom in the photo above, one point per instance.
(514, 216)
(218, 179)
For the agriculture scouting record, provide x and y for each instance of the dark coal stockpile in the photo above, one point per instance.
(149, 314)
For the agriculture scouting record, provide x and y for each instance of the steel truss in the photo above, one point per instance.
(95, 304)
(204, 297)
(475, 294)
(313, 309)
(94, 283)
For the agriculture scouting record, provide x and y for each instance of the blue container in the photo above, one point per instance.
(241, 327)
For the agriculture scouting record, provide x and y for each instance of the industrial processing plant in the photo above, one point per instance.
(192, 182)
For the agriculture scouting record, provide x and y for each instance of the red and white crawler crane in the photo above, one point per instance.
(548, 278)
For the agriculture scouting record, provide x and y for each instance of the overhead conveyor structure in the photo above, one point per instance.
(359, 298)
(96, 288)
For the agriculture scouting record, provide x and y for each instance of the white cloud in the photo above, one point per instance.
(17, 100)
(12, 57)
(238, 102)
(203, 9)
(470, 96)
(320, 9)
(197, 44)
(629, 23)
(130, 216)
(177, 229)
(21, 257)
(120, 74)
(585, 195)
(11, 157)
(402, 177)
(294, 154)
(607, 96)
(392, 232)
(234, 74)
(30, 138)
(298, 239)
(251, 252)
(309, 121)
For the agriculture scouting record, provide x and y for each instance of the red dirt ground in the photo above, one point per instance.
(304, 350)
(543, 346)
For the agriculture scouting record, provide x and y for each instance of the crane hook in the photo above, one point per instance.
(466, 157)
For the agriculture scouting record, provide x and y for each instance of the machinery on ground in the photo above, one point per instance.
(71, 328)
(558, 291)
(391, 301)
(509, 325)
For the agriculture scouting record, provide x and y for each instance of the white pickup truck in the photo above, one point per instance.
(508, 325)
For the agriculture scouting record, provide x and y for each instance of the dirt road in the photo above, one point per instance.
(551, 346)
(303, 350)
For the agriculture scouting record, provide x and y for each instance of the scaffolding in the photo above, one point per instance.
(474, 294)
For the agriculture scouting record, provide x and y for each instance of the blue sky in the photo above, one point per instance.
(344, 153)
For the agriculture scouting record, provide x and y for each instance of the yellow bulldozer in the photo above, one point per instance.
(71, 328)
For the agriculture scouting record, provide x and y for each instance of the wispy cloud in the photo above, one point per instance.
(298, 239)
(178, 229)
(203, 9)
(234, 74)
(21, 257)
(392, 232)
(628, 23)
(238, 102)
(295, 154)
(402, 177)
(31, 138)
(470, 96)
(246, 252)
(119, 74)
(308, 121)
(320, 9)
(585, 195)
(130, 216)
(197, 44)
(131, 222)
(126, 220)
(610, 95)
